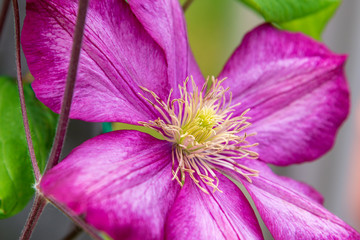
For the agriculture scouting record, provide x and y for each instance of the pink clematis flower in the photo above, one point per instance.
(136, 67)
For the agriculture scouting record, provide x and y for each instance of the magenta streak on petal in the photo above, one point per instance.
(226, 215)
(120, 181)
(194, 71)
(296, 90)
(164, 21)
(281, 86)
(118, 55)
(291, 209)
(106, 58)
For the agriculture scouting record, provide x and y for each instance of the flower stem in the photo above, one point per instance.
(4, 10)
(187, 4)
(76, 219)
(73, 234)
(69, 87)
(36, 210)
(21, 93)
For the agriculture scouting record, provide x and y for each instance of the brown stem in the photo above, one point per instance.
(76, 219)
(36, 210)
(21, 93)
(69, 88)
(187, 4)
(4, 10)
(73, 234)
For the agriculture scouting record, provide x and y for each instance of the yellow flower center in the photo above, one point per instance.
(204, 133)
(205, 119)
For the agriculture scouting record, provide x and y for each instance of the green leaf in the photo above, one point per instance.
(307, 16)
(16, 175)
(312, 25)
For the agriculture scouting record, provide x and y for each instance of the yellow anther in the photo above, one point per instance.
(204, 133)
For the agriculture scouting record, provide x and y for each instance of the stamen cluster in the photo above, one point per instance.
(204, 133)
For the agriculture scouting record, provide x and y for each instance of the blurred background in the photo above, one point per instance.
(215, 28)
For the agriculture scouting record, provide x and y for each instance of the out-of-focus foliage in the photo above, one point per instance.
(215, 29)
(314, 24)
(16, 175)
(307, 16)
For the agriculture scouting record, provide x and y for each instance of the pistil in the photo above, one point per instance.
(204, 133)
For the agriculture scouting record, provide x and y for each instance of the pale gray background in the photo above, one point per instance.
(329, 175)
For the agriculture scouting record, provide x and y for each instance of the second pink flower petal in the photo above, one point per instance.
(296, 90)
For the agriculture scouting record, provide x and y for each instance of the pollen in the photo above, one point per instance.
(204, 132)
(201, 126)
(206, 119)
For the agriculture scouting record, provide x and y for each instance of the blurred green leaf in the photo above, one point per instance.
(307, 16)
(314, 24)
(16, 176)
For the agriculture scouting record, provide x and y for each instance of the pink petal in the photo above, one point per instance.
(121, 183)
(227, 215)
(118, 55)
(165, 22)
(296, 90)
(288, 208)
